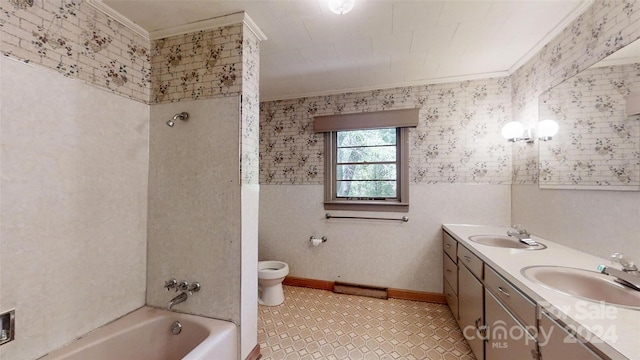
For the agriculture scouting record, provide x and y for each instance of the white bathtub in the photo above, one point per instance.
(145, 334)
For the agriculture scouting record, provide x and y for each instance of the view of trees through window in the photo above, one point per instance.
(366, 164)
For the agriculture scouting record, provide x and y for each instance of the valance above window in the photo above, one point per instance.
(367, 120)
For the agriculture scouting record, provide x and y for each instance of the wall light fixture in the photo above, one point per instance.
(547, 129)
(514, 131)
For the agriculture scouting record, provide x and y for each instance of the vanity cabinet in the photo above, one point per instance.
(470, 301)
(556, 343)
(450, 273)
(506, 337)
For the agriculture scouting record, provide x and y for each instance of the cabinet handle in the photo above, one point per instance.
(466, 258)
(448, 270)
(503, 291)
(447, 245)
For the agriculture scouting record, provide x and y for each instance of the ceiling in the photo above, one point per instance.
(379, 44)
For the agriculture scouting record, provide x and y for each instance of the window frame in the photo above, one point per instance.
(399, 204)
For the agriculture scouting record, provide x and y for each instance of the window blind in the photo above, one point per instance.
(367, 120)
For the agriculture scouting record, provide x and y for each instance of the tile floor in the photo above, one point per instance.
(318, 324)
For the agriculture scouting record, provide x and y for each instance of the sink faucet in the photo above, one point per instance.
(629, 275)
(177, 300)
(624, 278)
(627, 266)
(522, 234)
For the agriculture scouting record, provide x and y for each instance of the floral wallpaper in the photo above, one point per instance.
(77, 41)
(598, 144)
(601, 30)
(457, 140)
(197, 65)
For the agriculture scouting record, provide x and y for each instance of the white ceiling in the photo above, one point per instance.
(380, 44)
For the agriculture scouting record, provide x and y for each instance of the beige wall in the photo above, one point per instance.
(394, 254)
(597, 222)
(73, 210)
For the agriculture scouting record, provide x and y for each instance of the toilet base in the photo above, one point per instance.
(271, 295)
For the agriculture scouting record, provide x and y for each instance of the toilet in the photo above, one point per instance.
(270, 277)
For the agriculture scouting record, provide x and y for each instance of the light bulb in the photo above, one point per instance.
(547, 129)
(512, 131)
(341, 7)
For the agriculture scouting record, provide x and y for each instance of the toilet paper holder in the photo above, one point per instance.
(324, 239)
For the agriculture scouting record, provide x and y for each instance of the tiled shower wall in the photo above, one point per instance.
(77, 41)
(457, 139)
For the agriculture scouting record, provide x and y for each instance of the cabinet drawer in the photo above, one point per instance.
(471, 261)
(452, 300)
(450, 246)
(559, 344)
(506, 339)
(523, 308)
(450, 270)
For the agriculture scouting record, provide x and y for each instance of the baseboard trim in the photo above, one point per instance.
(401, 294)
(255, 353)
(417, 296)
(308, 283)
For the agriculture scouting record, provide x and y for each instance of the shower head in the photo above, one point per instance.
(180, 116)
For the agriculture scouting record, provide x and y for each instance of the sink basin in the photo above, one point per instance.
(584, 284)
(504, 241)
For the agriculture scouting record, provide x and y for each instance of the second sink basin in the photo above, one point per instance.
(584, 284)
(504, 241)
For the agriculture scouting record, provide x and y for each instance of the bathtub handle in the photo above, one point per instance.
(195, 287)
(170, 284)
(183, 285)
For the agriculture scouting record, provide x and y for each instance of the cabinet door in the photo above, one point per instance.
(558, 344)
(471, 310)
(506, 338)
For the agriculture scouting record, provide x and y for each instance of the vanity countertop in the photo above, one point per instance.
(613, 330)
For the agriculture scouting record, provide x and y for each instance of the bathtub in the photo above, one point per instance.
(145, 334)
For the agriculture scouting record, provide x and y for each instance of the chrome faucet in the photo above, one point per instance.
(522, 234)
(183, 286)
(177, 300)
(627, 266)
(629, 274)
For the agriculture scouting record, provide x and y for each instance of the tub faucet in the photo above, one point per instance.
(177, 300)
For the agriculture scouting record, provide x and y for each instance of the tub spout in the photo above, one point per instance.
(177, 300)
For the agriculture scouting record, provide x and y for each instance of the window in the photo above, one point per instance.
(365, 170)
(367, 159)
